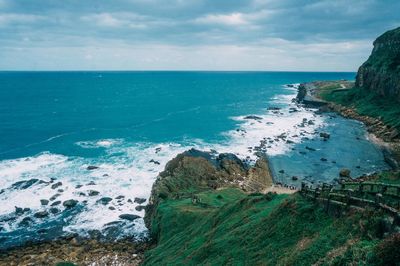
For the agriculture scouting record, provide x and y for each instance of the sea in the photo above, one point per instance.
(101, 138)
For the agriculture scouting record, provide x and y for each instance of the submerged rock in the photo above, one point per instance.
(26, 183)
(44, 202)
(92, 167)
(70, 203)
(104, 200)
(129, 217)
(154, 161)
(54, 197)
(27, 221)
(324, 135)
(54, 210)
(41, 214)
(140, 208)
(92, 193)
(56, 185)
(139, 200)
(253, 117)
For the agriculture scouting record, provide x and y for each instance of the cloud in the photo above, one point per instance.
(234, 19)
(116, 20)
(339, 30)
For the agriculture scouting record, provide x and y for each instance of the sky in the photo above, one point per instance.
(270, 35)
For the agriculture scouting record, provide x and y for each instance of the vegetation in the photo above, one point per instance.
(230, 227)
(366, 103)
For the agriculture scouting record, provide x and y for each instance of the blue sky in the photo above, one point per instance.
(291, 35)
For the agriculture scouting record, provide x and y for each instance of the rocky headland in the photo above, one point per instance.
(374, 98)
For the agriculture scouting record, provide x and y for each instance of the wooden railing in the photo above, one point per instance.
(357, 195)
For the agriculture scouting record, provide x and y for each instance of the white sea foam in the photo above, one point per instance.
(270, 125)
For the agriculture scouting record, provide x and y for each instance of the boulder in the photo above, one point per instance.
(54, 197)
(56, 185)
(26, 183)
(44, 202)
(54, 210)
(104, 200)
(253, 117)
(92, 167)
(26, 221)
(140, 208)
(19, 210)
(58, 202)
(129, 217)
(324, 135)
(344, 172)
(92, 193)
(41, 214)
(139, 200)
(70, 203)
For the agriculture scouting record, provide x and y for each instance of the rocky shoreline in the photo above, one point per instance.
(76, 251)
(385, 136)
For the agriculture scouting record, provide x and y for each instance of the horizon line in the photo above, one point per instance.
(177, 70)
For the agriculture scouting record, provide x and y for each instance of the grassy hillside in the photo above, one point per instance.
(230, 227)
(366, 103)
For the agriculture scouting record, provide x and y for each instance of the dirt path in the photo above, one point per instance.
(280, 190)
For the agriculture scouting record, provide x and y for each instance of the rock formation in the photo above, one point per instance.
(381, 72)
(194, 171)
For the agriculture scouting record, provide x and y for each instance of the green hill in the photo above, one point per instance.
(226, 226)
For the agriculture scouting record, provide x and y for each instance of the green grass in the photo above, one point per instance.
(389, 177)
(367, 103)
(229, 227)
(65, 264)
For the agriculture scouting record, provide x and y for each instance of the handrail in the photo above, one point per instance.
(351, 197)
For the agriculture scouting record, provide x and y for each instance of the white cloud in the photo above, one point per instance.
(117, 20)
(234, 19)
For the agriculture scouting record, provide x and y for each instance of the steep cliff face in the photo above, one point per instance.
(381, 72)
(194, 171)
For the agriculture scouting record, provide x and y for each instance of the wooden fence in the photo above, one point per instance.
(357, 195)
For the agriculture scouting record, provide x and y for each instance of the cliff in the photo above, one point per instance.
(195, 171)
(381, 72)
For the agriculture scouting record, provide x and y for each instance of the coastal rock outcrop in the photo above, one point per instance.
(194, 170)
(381, 72)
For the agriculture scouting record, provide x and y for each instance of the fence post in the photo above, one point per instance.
(316, 193)
(328, 202)
(348, 196)
(378, 200)
(303, 186)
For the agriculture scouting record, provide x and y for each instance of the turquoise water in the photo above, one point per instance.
(53, 125)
